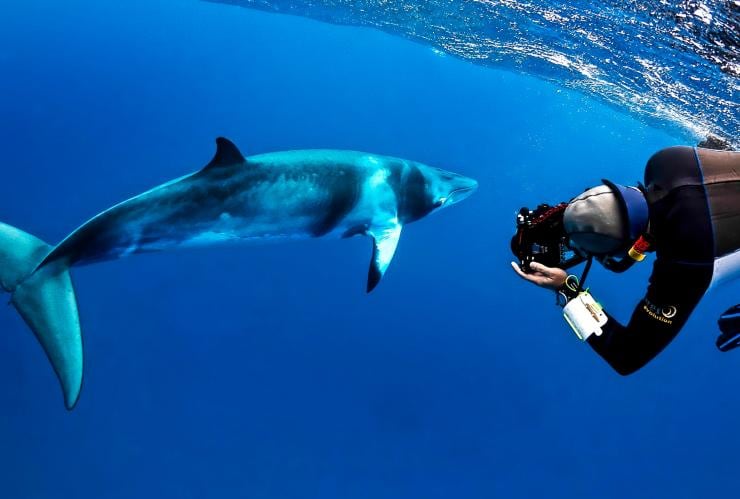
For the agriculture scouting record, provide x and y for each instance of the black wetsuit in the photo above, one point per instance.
(694, 204)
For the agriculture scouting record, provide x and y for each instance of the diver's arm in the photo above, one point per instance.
(674, 291)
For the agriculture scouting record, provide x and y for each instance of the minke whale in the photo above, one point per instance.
(273, 196)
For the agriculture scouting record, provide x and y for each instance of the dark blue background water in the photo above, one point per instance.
(266, 371)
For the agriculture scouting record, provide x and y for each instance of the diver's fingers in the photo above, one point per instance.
(519, 271)
(537, 279)
(554, 277)
(542, 269)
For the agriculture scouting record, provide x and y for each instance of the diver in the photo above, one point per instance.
(687, 212)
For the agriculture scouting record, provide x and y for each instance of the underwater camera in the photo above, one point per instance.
(540, 237)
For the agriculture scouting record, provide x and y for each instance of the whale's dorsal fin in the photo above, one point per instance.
(227, 154)
(385, 242)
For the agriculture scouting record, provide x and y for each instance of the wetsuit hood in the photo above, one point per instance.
(604, 221)
(633, 206)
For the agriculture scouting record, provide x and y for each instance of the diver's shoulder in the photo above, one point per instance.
(670, 162)
(672, 154)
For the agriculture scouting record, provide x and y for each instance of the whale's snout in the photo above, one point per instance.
(441, 188)
(461, 188)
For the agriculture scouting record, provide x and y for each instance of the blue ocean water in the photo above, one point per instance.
(266, 371)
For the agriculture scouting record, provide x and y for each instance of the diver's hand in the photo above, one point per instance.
(545, 277)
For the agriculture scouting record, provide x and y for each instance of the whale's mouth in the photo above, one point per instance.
(461, 193)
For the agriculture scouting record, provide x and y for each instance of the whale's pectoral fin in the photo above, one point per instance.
(227, 154)
(385, 242)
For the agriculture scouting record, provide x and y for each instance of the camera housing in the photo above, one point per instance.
(540, 237)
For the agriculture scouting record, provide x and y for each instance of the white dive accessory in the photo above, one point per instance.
(584, 316)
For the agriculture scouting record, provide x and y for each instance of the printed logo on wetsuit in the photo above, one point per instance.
(662, 314)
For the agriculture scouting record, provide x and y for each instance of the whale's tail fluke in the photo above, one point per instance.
(45, 298)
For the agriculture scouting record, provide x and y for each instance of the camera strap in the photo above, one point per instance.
(584, 275)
